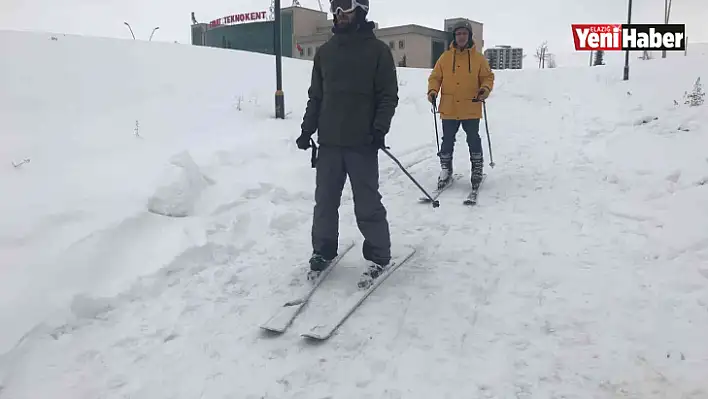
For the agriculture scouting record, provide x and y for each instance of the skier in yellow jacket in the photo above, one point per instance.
(464, 75)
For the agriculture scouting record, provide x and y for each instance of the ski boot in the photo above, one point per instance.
(317, 265)
(445, 176)
(477, 170)
(372, 272)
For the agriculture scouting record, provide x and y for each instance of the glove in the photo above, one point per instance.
(432, 96)
(303, 142)
(482, 94)
(379, 139)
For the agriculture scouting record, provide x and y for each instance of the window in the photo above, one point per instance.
(391, 45)
(401, 44)
(309, 51)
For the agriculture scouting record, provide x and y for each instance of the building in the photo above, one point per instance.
(504, 57)
(304, 30)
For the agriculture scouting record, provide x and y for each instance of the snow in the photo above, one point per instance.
(570, 58)
(183, 185)
(581, 273)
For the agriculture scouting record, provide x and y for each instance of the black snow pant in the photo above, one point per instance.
(474, 144)
(361, 165)
(450, 128)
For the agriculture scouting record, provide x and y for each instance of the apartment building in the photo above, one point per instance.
(504, 57)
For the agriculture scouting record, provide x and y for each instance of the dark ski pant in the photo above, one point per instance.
(361, 165)
(450, 128)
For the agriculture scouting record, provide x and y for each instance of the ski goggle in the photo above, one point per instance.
(345, 6)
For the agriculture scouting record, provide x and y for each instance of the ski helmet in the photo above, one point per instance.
(348, 5)
(462, 25)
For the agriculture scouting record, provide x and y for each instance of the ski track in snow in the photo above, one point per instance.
(574, 277)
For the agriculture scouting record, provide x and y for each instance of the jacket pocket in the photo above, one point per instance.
(447, 104)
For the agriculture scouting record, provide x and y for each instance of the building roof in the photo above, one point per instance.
(411, 29)
(463, 19)
(303, 9)
(503, 47)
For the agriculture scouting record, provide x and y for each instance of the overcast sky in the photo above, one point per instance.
(516, 22)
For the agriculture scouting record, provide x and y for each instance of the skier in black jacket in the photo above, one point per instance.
(353, 96)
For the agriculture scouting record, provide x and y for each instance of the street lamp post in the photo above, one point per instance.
(667, 12)
(626, 53)
(153, 32)
(279, 95)
(131, 29)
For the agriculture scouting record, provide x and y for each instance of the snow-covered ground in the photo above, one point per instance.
(568, 57)
(582, 273)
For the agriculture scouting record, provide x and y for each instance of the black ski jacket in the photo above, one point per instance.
(353, 90)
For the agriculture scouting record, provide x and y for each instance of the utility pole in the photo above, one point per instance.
(279, 95)
(667, 12)
(626, 53)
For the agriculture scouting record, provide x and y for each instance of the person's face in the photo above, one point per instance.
(461, 37)
(345, 18)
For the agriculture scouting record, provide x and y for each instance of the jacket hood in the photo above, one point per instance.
(462, 25)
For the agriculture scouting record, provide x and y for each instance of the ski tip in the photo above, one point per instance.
(410, 251)
(314, 337)
(405, 253)
(272, 330)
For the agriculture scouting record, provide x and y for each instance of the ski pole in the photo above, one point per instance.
(486, 127)
(435, 121)
(489, 140)
(435, 203)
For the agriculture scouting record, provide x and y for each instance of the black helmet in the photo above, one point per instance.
(462, 25)
(348, 5)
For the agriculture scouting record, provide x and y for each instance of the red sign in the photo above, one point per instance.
(236, 18)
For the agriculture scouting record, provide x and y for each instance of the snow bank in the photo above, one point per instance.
(100, 122)
(181, 189)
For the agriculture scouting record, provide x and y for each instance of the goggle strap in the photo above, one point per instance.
(334, 7)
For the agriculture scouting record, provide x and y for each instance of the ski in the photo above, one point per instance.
(322, 332)
(283, 317)
(436, 193)
(471, 198)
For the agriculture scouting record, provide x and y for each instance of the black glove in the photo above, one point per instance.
(379, 139)
(482, 94)
(303, 142)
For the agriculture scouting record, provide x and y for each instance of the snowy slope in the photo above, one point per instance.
(582, 273)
